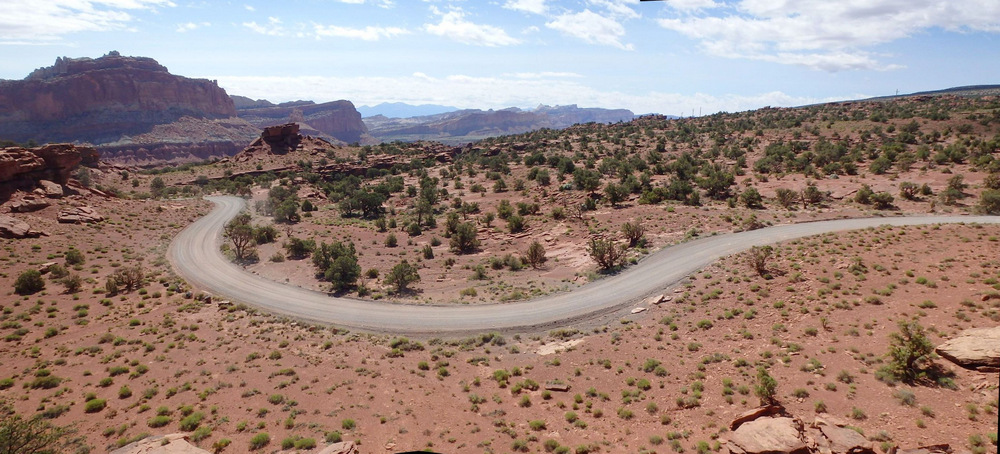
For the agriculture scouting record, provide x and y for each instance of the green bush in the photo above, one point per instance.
(74, 257)
(259, 441)
(29, 282)
(192, 421)
(94, 405)
(158, 421)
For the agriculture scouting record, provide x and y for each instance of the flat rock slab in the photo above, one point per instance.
(167, 444)
(79, 215)
(842, 440)
(11, 227)
(27, 205)
(768, 436)
(344, 447)
(973, 348)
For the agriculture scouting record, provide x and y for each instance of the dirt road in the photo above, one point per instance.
(196, 256)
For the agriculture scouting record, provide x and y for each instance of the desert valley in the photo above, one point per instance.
(868, 338)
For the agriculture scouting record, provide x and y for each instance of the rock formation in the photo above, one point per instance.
(973, 348)
(770, 430)
(11, 227)
(79, 215)
(48, 167)
(100, 100)
(338, 120)
(166, 444)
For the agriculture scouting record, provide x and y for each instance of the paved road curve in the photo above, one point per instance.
(195, 255)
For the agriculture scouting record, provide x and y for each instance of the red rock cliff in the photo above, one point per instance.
(338, 119)
(100, 100)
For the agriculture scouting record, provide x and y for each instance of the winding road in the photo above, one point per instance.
(195, 254)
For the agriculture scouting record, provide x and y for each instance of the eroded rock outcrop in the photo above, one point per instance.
(338, 119)
(99, 100)
(973, 348)
(79, 215)
(11, 227)
(166, 444)
(48, 167)
(771, 430)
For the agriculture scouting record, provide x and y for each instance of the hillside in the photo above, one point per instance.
(671, 373)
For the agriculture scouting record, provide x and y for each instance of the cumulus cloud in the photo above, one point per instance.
(528, 6)
(454, 26)
(509, 90)
(823, 35)
(591, 27)
(39, 21)
(365, 34)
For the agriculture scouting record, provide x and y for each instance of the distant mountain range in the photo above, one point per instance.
(470, 125)
(403, 110)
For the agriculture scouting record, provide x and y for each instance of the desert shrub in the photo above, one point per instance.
(35, 436)
(989, 201)
(158, 421)
(758, 257)
(766, 388)
(94, 405)
(464, 238)
(909, 352)
(259, 441)
(633, 232)
(786, 197)
(401, 276)
(607, 253)
(192, 421)
(515, 223)
(29, 282)
(72, 283)
(75, 257)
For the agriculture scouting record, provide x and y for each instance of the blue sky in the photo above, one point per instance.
(673, 57)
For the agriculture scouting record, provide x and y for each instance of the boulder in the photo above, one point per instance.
(553, 385)
(50, 189)
(841, 440)
(166, 444)
(27, 205)
(781, 435)
(754, 413)
(11, 227)
(79, 215)
(932, 449)
(973, 348)
(344, 447)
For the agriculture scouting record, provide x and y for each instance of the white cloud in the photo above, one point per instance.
(191, 26)
(34, 21)
(692, 5)
(528, 6)
(379, 3)
(366, 34)
(454, 26)
(617, 8)
(825, 35)
(591, 27)
(250, 8)
(272, 28)
(511, 90)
